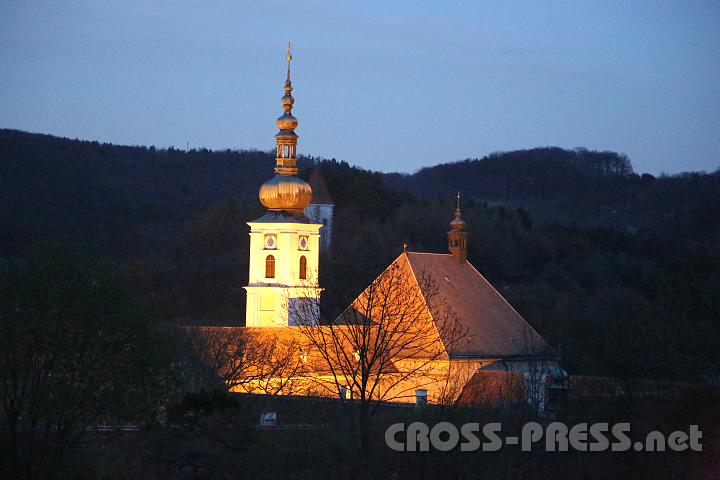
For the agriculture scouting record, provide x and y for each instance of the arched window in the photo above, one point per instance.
(269, 266)
(303, 268)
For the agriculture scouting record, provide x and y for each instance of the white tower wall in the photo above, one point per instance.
(271, 301)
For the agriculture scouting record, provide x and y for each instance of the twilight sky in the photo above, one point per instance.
(387, 85)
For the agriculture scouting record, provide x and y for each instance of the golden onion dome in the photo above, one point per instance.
(283, 192)
(287, 122)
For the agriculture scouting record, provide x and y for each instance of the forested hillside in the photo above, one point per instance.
(633, 302)
(580, 186)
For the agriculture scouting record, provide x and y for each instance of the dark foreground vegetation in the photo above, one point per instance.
(619, 272)
(215, 436)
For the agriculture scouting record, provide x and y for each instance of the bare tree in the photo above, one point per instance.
(249, 360)
(456, 376)
(490, 388)
(391, 341)
(536, 373)
(277, 366)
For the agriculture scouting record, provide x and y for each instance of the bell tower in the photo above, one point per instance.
(457, 238)
(283, 287)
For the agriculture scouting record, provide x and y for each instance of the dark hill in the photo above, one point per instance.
(535, 174)
(577, 186)
(120, 197)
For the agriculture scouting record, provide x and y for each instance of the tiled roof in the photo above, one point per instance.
(494, 328)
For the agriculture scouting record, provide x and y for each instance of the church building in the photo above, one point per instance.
(493, 345)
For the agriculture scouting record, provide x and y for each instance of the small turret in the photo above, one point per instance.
(457, 238)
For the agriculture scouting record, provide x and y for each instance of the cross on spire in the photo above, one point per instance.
(289, 58)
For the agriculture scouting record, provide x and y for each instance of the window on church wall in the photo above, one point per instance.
(303, 268)
(270, 266)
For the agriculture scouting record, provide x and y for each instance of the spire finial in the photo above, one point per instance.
(457, 223)
(289, 58)
(457, 206)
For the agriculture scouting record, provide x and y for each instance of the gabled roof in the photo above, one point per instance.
(320, 193)
(494, 328)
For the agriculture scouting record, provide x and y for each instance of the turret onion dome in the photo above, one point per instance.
(458, 223)
(286, 122)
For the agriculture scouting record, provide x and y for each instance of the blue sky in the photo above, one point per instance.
(391, 86)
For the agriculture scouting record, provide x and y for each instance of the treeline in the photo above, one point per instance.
(535, 173)
(577, 186)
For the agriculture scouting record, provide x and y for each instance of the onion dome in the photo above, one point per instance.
(458, 223)
(287, 122)
(285, 192)
(457, 238)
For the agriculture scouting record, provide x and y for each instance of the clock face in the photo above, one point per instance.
(303, 242)
(270, 242)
